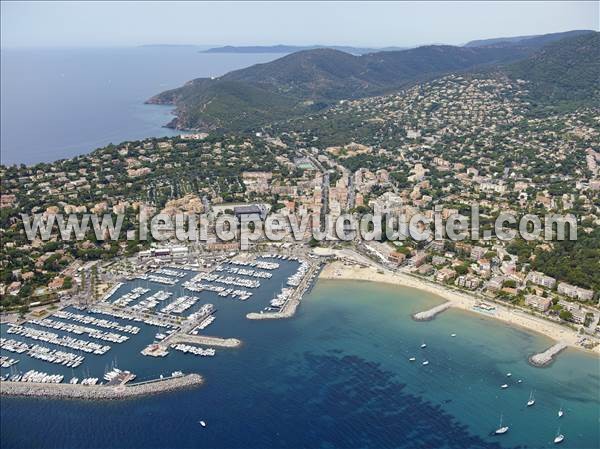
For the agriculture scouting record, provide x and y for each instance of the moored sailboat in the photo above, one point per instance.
(531, 400)
(559, 438)
(501, 429)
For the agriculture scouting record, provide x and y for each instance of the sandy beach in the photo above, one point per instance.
(341, 271)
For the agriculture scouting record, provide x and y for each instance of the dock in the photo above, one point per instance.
(430, 314)
(547, 357)
(99, 392)
(289, 308)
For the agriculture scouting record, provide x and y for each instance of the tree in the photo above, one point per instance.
(313, 242)
(565, 315)
(462, 269)
(23, 310)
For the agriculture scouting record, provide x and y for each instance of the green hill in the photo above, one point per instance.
(309, 80)
(564, 74)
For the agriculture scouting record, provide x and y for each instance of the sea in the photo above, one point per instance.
(59, 103)
(336, 375)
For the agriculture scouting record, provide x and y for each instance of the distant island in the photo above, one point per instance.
(296, 48)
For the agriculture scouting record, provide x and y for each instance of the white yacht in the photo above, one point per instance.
(412, 359)
(423, 345)
(453, 335)
(560, 413)
(504, 386)
(531, 400)
(559, 438)
(501, 429)
(202, 423)
(425, 362)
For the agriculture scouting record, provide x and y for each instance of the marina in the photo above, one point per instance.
(306, 352)
(147, 314)
(208, 352)
(105, 324)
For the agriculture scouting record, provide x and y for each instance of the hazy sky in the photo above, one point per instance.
(82, 24)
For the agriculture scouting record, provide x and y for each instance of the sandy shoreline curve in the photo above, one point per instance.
(342, 271)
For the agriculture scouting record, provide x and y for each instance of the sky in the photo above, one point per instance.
(373, 24)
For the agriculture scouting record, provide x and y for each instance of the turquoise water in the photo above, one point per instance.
(337, 376)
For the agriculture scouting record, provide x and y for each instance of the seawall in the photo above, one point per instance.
(98, 392)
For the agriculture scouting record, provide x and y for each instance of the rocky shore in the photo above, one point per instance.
(99, 392)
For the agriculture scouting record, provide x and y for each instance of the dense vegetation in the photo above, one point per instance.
(578, 261)
(304, 81)
(564, 74)
(310, 80)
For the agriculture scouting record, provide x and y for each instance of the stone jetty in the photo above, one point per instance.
(202, 340)
(99, 392)
(547, 357)
(287, 311)
(430, 314)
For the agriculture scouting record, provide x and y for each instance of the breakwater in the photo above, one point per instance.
(99, 392)
(547, 357)
(430, 314)
(202, 340)
(287, 311)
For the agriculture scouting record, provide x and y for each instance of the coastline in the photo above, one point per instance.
(98, 392)
(340, 271)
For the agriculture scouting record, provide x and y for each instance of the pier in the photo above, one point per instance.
(201, 340)
(287, 311)
(99, 392)
(547, 357)
(431, 313)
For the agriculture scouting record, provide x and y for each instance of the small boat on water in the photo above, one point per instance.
(423, 345)
(501, 429)
(202, 423)
(425, 363)
(560, 412)
(508, 374)
(559, 438)
(412, 359)
(520, 381)
(504, 386)
(531, 400)
(453, 335)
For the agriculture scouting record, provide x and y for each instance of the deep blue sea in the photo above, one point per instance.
(58, 103)
(337, 375)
